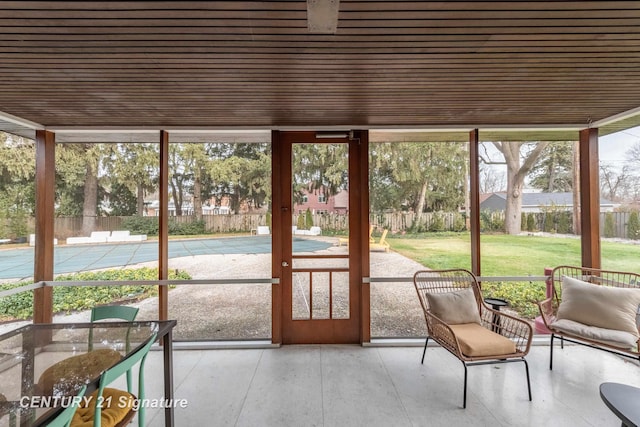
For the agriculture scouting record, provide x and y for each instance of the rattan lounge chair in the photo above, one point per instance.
(459, 320)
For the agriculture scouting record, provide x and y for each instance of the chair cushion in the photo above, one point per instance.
(612, 337)
(117, 409)
(602, 306)
(65, 377)
(455, 307)
(477, 341)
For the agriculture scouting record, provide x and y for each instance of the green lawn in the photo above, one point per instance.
(504, 255)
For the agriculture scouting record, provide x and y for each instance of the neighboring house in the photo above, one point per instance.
(209, 208)
(216, 210)
(153, 208)
(317, 203)
(538, 202)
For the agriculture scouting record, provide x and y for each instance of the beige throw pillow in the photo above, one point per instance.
(602, 306)
(455, 307)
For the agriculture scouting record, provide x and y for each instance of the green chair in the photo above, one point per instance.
(114, 407)
(64, 418)
(121, 312)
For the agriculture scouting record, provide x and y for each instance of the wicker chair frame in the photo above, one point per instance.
(549, 307)
(517, 330)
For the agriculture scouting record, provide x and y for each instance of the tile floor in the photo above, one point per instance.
(342, 385)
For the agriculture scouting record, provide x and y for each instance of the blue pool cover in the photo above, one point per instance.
(18, 263)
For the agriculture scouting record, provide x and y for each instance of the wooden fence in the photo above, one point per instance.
(396, 222)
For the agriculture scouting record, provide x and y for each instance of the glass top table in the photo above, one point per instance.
(40, 364)
(623, 400)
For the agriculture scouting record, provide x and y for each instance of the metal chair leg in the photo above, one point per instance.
(551, 353)
(425, 349)
(526, 368)
(464, 397)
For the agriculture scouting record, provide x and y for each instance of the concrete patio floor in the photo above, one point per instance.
(333, 385)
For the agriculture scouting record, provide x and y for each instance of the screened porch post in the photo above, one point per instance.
(44, 213)
(474, 200)
(361, 163)
(590, 198)
(163, 227)
(277, 217)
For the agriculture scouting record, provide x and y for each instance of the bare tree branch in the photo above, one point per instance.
(486, 159)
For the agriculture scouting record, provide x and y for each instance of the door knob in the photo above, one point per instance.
(285, 264)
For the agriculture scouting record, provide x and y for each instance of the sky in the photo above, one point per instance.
(612, 148)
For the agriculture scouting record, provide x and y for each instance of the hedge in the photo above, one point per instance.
(75, 298)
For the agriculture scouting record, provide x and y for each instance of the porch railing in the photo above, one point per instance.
(395, 310)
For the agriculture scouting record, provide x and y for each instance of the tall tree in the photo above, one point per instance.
(558, 170)
(70, 172)
(553, 172)
(632, 155)
(17, 189)
(241, 172)
(491, 181)
(77, 166)
(199, 160)
(17, 159)
(121, 201)
(134, 166)
(180, 175)
(577, 221)
(426, 176)
(90, 204)
(384, 191)
(613, 181)
(621, 182)
(520, 157)
(320, 168)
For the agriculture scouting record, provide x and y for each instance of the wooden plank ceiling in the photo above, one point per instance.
(254, 64)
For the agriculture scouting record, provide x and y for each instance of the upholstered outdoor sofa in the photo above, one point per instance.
(594, 307)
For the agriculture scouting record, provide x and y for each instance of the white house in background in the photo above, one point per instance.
(216, 210)
(153, 209)
(538, 202)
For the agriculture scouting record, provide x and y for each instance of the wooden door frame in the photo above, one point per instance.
(281, 221)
